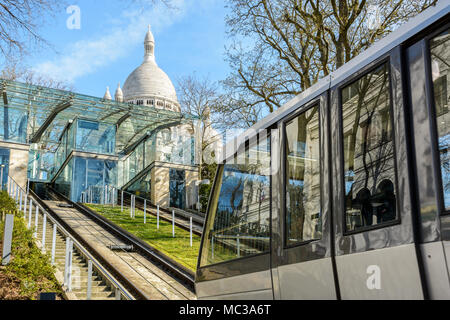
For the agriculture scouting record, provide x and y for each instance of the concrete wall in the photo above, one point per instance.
(18, 161)
(160, 186)
(191, 189)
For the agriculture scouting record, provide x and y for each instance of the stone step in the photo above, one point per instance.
(49, 235)
(97, 296)
(79, 263)
(61, 262)
(95, 283)
(100, 289)
(95, 289)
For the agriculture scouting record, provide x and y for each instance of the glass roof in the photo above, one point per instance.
(50, 110)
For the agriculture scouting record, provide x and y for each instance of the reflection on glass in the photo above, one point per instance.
(64, 180)
(142, 187)
(175, 145)
(303, 177)
(132, 167)
(95, 137)
(13, 125)
(440, 60)
(240, 223)
(368, 151)
(177, 187)
(86, 175)
(4, 167)
(41, 165)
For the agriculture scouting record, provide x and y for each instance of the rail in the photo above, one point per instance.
(22, 198)
(109, 195)
(180, 272)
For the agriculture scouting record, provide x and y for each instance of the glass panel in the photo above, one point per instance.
(440, 60)
(110, 173)
(120, 177)
(368, 151)
(13, 125)
(71, 138)
(140, 158)
(95, 137)
(100, 173)
(4, 167)
(142, 187)
(303, 178)
(95, 178)
(64, 180)
(239, 221)
(41, 165)
(150, 151)
(61, 152)
(79, 179)
(126, 171)
(177, 186)
(174, 145)
(164, 145)
(132, 165)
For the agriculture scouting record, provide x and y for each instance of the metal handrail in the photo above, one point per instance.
(130, 284)
(13, 188)
(112, 198)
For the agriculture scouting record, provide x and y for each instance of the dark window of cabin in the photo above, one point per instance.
(239, 220)
(369, 168)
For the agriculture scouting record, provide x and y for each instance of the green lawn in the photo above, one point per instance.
(177, 248)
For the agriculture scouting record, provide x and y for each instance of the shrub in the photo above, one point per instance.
(28, 265)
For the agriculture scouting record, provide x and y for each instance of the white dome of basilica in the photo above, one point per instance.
(148, 84)
(148, 80)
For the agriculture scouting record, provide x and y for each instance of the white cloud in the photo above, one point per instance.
(87, 56)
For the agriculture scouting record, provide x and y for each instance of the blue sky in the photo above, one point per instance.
(109, 45)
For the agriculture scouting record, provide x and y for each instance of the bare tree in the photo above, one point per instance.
(20, 21)
(282, 47)
(200, 98)
(15, 72)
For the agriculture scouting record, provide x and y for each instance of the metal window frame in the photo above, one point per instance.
(433, 123)
(284, 170)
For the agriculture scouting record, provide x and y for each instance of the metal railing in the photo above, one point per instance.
(107, 237)
(23, 199)
(110, 195)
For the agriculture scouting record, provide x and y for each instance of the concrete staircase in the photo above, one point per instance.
(100, 288)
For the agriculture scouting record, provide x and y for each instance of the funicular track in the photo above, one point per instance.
(144, 271)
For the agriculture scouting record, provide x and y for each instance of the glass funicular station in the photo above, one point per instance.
(83, 145)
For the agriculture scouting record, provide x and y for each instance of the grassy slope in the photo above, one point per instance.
(29, 272)
(177, 248)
